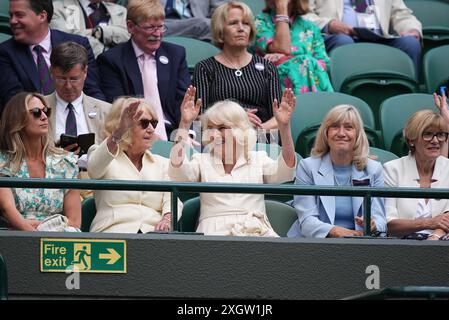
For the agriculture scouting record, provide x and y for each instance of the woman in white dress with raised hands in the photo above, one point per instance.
(229, 137)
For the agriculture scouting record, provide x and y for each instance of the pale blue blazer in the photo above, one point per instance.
(316, 214)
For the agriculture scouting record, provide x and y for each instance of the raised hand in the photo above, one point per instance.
(129, 117)
(441, 104)
(189, 108)
(283, 111)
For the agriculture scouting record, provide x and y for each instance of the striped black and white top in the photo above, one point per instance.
(257, 87)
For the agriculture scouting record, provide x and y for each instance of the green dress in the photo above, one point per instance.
(40, 203)
(305, 70)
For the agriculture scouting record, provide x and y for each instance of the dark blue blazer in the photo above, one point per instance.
(120, 76)
(18, 71)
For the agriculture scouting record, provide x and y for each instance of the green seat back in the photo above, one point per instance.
(3, 279)
(399, 146)
(382, 73)
(163, 148)
(280, 215)
(4, 37)
(312, 107)
(88, 211)
(382, 155)
(4, 11)
(434, 18)
(436, 67)
(256, 6)
(196, 50)
(395, 111)
(190, 215)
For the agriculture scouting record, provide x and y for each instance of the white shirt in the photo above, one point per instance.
(61, 116)
(46, 45)
(88, 10)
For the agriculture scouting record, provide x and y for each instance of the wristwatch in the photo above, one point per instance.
(97, 33)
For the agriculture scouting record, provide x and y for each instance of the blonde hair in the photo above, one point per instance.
(419, 122)
(139, 10)
(14, 119)
(113, 118)
(220, 16)
(338, 115)
(232, 115)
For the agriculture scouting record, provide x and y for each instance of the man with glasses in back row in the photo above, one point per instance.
(146, 66)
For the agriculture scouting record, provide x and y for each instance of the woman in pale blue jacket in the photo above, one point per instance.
(339, 158)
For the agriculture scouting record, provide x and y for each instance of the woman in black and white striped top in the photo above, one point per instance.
(234, 73)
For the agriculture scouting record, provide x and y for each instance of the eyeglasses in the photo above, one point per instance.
(37, 112)
(151, 29)
(62, 81)
(441, 136)
(144, 123)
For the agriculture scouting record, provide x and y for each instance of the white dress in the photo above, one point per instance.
(232, 213)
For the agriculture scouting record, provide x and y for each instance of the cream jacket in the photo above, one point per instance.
(403, 173)
(232, 213)
(393, 15)
(127, 211)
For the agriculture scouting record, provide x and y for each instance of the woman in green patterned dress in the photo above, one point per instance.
(27, 151)
(294, 45)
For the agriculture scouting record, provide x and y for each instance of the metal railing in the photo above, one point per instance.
(176, 188)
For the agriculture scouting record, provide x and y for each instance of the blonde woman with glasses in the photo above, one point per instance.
(426, 134)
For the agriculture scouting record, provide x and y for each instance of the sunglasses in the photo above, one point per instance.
(144, 123)
(37, 112)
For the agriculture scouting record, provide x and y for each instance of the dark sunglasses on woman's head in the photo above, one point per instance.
(37, 112)
(144, 123)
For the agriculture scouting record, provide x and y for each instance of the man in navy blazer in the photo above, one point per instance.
(122, 70)
(29, 20)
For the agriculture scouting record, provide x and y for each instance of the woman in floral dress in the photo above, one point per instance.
(27, 151)
(294, 45)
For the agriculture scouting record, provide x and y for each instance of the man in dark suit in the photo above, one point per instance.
(146, 66)
(25, 58)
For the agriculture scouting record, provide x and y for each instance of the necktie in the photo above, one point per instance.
(70, 123)
(96, 16)
(47, 85)
(151, 91)
(360, 5)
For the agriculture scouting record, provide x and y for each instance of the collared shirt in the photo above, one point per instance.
(61, 116)
(88, 10)
(46, 45)
(156, 103)
(350, 15)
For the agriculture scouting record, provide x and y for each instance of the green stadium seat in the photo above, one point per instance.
(3, 279)
(4, 37)
(394, 113)
(4, 11)
(196, 50)
(382, 73)
(436, 67)
(312, 107)
(256, 6)
(280, 215)
(434, 18)
(382, 155)
(88, 211)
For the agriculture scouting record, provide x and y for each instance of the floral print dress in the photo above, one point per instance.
(39, 203)
(306, 68)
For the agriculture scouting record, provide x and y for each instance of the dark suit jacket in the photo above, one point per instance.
(120, 76)
(18, 71)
